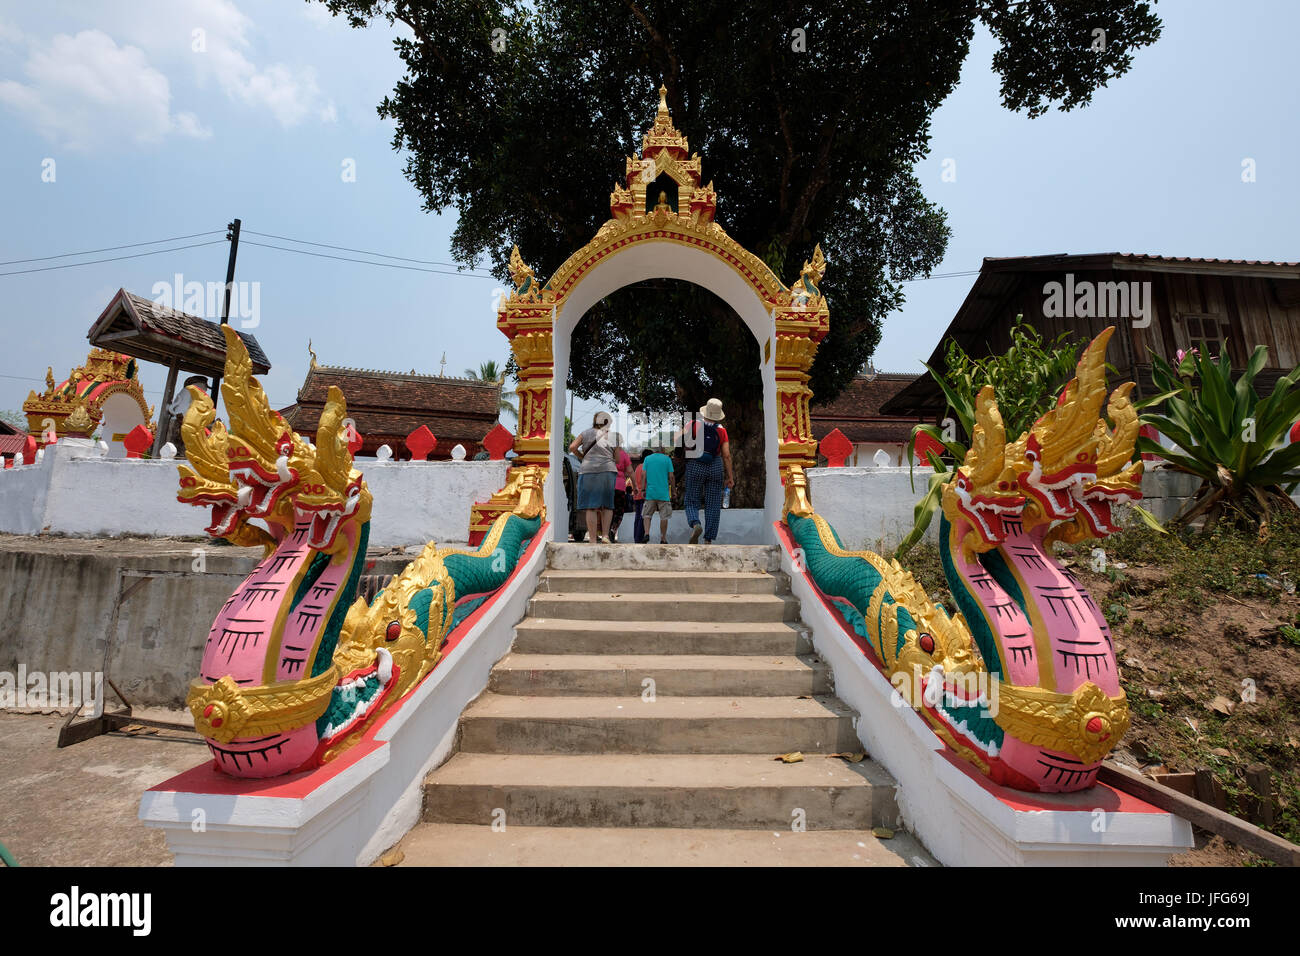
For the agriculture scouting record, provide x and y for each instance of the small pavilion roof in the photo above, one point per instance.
(143, 329)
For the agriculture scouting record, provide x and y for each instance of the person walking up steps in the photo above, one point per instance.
(658, 493)
(708, 455)
(622, 493)
(638, 498)
(596, 477)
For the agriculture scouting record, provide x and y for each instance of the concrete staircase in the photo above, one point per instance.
(638, 719)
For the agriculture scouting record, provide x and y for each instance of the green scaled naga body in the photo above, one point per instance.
(1021, 680)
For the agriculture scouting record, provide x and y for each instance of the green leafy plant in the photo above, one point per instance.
(1228, 436)
(1025, 378)
(493, 374)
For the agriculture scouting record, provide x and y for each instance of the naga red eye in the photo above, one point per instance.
(1083, 456)
(394, 631)
(927, 643)
(1002, 485)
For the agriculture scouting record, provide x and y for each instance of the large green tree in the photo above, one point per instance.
(809, 117)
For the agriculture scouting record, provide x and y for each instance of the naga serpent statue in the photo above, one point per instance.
(1022, 680)
(297, 666)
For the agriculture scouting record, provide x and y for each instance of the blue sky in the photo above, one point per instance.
(152, 138)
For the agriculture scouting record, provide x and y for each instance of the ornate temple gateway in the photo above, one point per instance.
(105, 391)
(985, 713)
(662, 225)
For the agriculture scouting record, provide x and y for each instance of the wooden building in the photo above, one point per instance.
(386, 407)
(1158, 304)
(857, 414)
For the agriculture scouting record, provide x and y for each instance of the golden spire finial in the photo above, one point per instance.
(663, 98)
(312, 354)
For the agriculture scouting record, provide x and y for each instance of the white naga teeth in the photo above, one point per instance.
(245, 496)
(385, 665)
(282, 467)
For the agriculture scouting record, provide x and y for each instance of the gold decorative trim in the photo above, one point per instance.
(1086, 723)
(225, 711)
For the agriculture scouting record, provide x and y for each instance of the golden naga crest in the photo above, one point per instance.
(262, 468)
(1068, 470)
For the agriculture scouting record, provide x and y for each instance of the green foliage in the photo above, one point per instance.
(806, 143)
(1227, 435)
(490, 372)
(1025, 378)
(14, 417)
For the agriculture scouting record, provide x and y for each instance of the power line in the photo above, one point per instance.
(129, 245)
(365, 262)
(943, 275)
(91, 262)
(364, 252)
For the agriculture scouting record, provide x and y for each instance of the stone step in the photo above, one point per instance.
(732, 791)
(431, 844)
(662, 582)
(674, 675)
(664, 608)
(505, 723)
(561, 636)
(568, 556)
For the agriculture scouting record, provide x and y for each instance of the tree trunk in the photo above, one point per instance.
(745, 429)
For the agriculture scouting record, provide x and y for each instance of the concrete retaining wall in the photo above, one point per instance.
(138, 611)
(73, 491)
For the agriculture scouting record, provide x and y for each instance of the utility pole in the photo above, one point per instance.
(232, 234)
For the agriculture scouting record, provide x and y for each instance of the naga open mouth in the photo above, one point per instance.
(966, 711)
(1059, 492)
(327, 517)
(1096, 505)
(259, 489)
(225, 516)
(985, 512)
(357, 697)
(225, 509)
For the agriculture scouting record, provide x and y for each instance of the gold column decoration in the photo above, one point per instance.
(800, 327)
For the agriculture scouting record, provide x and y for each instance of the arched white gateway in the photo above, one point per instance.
(662, 260)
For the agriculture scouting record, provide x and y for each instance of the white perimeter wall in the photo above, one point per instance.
(69, 492)
(870, 507)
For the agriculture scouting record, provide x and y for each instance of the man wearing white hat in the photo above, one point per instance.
(708, 455)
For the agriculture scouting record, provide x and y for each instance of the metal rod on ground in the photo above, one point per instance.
(233, 236)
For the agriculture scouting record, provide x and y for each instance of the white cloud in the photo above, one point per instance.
(167, 29)
(83, 91)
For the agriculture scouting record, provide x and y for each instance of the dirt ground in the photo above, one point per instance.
(78, 806)
(1207, 632)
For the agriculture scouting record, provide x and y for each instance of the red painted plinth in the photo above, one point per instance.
(420, 442)
(137, 441)
(836, 447)
(498, 441)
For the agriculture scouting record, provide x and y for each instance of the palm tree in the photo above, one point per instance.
(491, 373)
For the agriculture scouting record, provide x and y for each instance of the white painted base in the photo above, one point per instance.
(963, 819)
(352, 815)
(870, 507)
